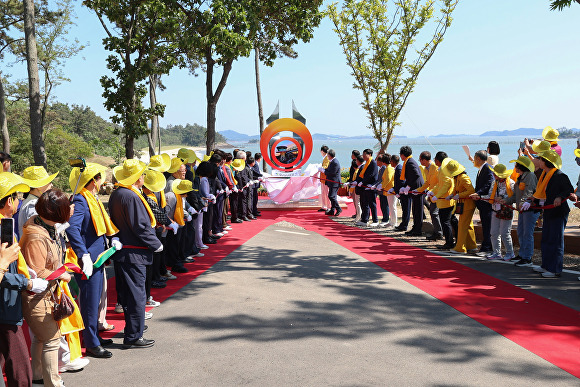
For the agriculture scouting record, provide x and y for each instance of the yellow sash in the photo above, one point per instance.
(362, 173)
(154, 198)
(543, 183)
(178, 214)
(74, 322)
(494, 191)
(22, 266)
(149, 212)
(404, 168)
(101, 220)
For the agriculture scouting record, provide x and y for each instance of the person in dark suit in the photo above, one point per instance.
(413, 177)
(403, 199)
(483, 184)
(332, 173)
(256, 175)
(368, 177)
(135, 221)
(88, 243)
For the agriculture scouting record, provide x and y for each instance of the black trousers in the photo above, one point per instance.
(485, 213)
(418, 214)
(217, 225)
(368, 203)
(384, 203)
(132, 296)
(445, 215)
(207, 221)
(255, 199)
(173, 254)
(14, 355)
(234, 200)
(406, 207)
(247, 210)
(242, 203)
(332, 196)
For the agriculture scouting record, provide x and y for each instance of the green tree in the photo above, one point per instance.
(141, 34)
(380, 41)
(561, 4)
(221, 31)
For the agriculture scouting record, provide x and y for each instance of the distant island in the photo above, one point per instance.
(233, 136)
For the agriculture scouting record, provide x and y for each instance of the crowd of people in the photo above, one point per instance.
(160, 217)
(535, 187)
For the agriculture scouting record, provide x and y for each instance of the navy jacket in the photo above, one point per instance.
(256, 171)
(82, 234)
(332, 172)
(131, 218)
(413, 175)
(398, 183)
(11, 302)
(558, 186)
(371, 174)
(484, 181)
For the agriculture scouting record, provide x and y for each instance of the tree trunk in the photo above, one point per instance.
(212, 98)
(129, 152)
(153, 134)
(3, 120)
(36, 135)
(259, 92)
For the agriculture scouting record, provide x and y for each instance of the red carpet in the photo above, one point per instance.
(544, 327)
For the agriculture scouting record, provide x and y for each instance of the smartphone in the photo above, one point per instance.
(7, 231)
(79, 163)
(522, 145)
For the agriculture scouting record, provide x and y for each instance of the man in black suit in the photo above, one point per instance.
(256, 175)
(413, 177)
(368, 177)
(332, 173)
(483, 185)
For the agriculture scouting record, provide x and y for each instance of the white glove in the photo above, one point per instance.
(228, 191)
(235, 189)
(211, 197)
(39, 285)
(32, 273)
(87, 264)
(360, 184)
(260, 178)
(368, 188)
(256, 181)
(428, 193)
(525, 206)
(160, 249)
(402, 191)
(379, 187)
(192, 211)
(434, 198)
(407, 189)
(456, 197)
(61, 227)
(320, 169)
(116, 243)
(174, 226)
(188, 217)
(391, 191)
(542, 202)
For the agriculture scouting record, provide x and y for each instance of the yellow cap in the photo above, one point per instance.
(160, 163)
(552, 157)
(130, 171)
(501, 171)
(36, 176)
(180, 187)
(10, 183)
(526, 162)
(550, 134)
(238, 164)
(187, 155)
(154, 181)
(176, 162)
(91, 170)
(453, 168)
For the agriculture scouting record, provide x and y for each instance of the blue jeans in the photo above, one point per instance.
(553, 243)
(526, 224)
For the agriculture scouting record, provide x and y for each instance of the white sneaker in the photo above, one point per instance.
(119, 309)
(228, 228)
(219, 234)
(76, 365)
(509, 257)
(169, 276)
(199, 255)
(383, 224)
(224, 232)
(152, 303)
(359, 223)
(148, 315)
(374, 224)
(549, 274)
(203, 247)
(539, 269)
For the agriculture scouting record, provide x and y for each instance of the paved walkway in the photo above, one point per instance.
(290, 307)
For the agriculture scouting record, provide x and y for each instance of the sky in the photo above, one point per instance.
(502, 65)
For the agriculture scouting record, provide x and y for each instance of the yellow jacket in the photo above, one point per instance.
(325, 163)
(444, 187)
(431, 177)
(464, 188)
(388, 179)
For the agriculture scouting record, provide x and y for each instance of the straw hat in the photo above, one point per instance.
(91, 170)
(453, 168)
(160, 163)
(36, 176)
(10, 183)
(154, 181)
(176, 162)
(552, 157)
(501, 171)
(180, 187)
(238, 164)
(526, 162)
(541, 146)
(130, 171)
(187, 155)
(550, 134)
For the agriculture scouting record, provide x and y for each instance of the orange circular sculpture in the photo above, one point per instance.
(286, 125)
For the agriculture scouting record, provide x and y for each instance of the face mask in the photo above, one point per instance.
(61, 227)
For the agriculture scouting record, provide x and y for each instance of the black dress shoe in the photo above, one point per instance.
(252, 217)
(353, 216)
(415, 233)
(179, 269)
(434, 237)
(99, 352)
(105, 342)
(338, 212)
(216, 237)
(399, 229)
(245, 219)
(329, 213)
(209, 241)
(322, 209)
(139, 343)
(237, 221)
(445, 247)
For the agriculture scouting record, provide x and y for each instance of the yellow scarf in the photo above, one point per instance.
(22, 266)
(178, 215)
(233, 174)
(101, 219)
(543, 183)
(136, 191)
(362, 173)
(494, 191)
(404, 168)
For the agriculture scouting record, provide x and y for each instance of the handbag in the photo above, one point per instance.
(459, 208)
(63, 307)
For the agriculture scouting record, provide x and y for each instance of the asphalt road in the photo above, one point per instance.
(291, 308)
